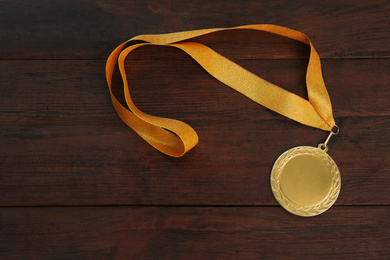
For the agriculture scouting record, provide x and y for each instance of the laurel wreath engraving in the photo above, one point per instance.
(306, 211)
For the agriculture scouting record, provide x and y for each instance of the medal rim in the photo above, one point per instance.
(292, 207)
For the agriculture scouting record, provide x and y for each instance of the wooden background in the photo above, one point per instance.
(77, 183)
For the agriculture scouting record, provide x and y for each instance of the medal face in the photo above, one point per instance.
(305, 181)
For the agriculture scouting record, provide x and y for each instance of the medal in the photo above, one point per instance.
(304, 180)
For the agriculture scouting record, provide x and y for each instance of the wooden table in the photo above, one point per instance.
(77, 183)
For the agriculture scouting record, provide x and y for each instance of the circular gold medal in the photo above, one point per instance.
(305, 181)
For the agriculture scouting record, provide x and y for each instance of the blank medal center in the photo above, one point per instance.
(306, 180)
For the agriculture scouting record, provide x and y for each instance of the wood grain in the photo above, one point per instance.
(100, 164)
(170, 84)
(77, 183)
(192, 233)
(91, 29)
(66, 146)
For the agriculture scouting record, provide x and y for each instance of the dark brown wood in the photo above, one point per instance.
(91, 29)
(193, 233)
(107, 163)
(171, 84)
(62, 144)
(63, 136)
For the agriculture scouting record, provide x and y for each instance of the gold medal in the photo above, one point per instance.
(305, 180)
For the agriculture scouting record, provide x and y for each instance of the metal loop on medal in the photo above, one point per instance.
(323, 147)
(334, 131)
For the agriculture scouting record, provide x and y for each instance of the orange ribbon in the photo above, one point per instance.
(174, 137)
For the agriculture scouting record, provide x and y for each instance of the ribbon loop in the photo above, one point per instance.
(174, 137)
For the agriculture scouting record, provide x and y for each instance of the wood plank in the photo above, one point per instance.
(192, 233)
(91, 29)
(61, 143)
(58, 124)
(106, 163)
(170, 84)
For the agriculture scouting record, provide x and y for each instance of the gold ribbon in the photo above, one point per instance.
(174, 137)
